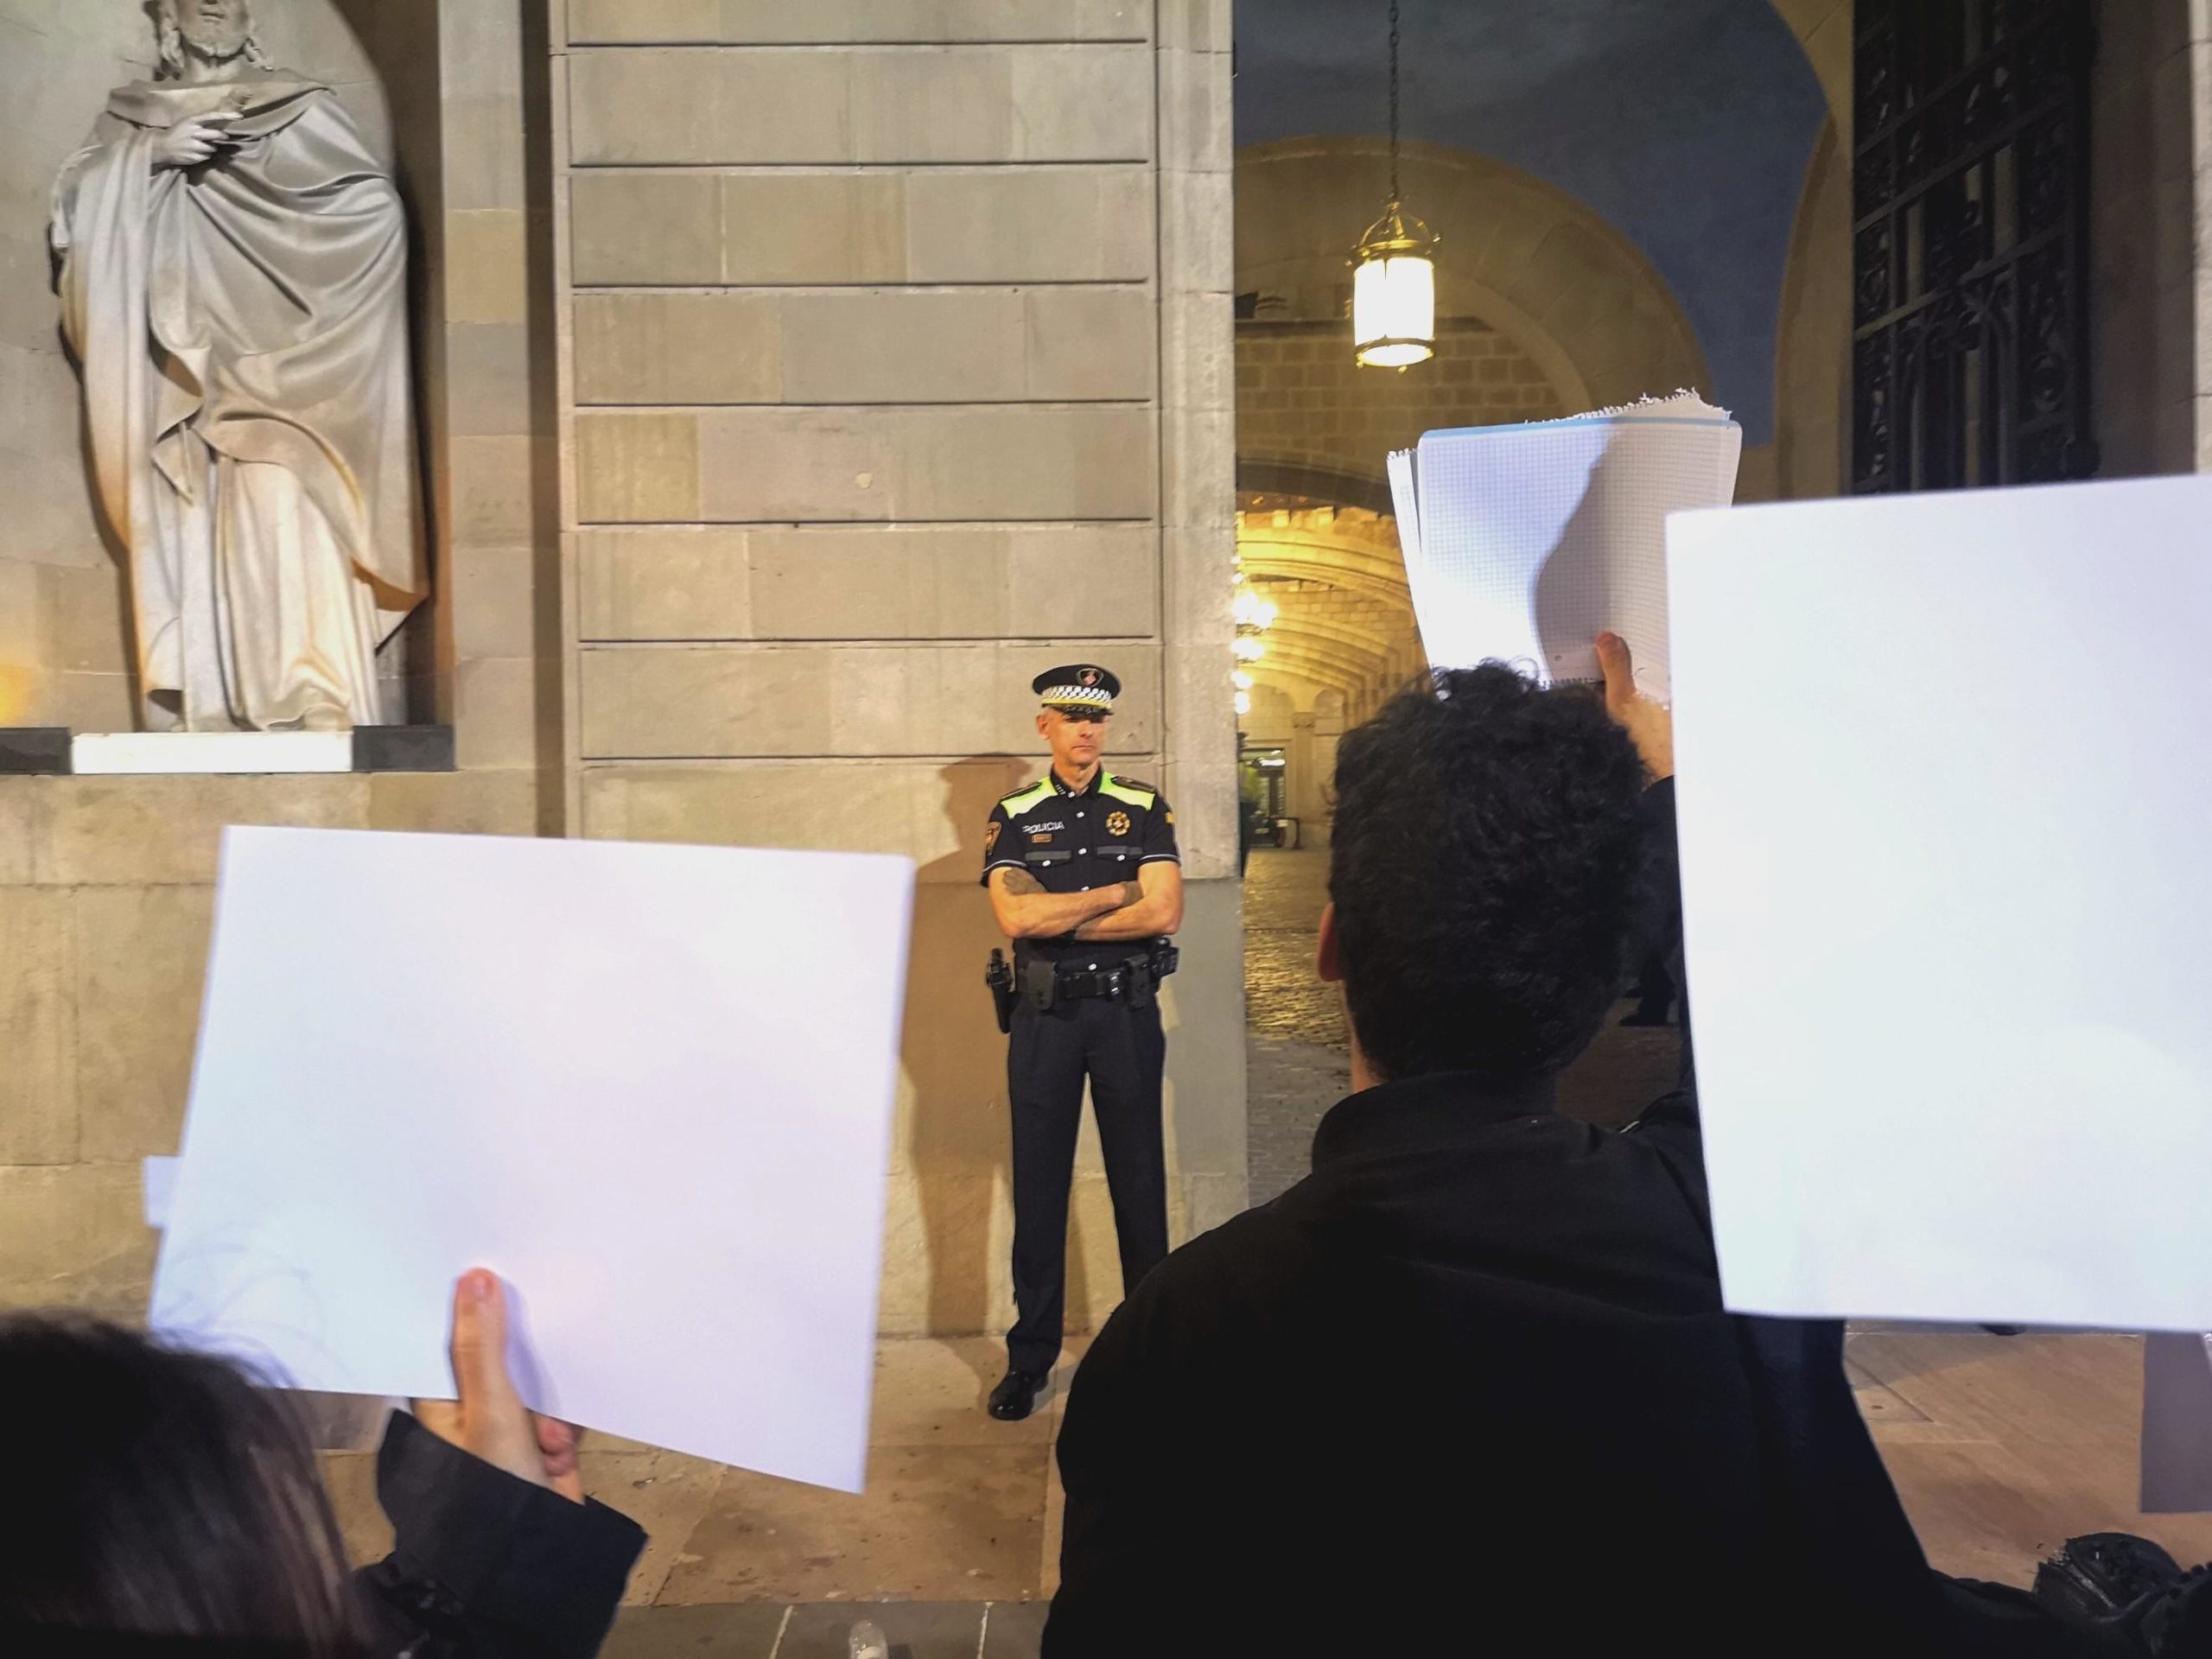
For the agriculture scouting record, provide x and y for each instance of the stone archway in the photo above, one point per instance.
(1561, 313)
(1812, 335)
(1823, 29)
(1570, 292)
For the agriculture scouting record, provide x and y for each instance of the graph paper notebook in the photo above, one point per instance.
(1522, 543)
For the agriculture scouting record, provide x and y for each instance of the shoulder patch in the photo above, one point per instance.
(1125, 789)
(1022, 799)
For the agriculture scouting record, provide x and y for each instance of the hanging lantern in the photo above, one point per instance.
(1249, 648)
(1393, 270)
(1243, 704)
(1394, 293)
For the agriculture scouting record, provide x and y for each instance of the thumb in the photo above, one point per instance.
(1618, 666)
(480, 1339)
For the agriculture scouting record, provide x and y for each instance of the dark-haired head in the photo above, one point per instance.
(160, 1493)
(1489, 861)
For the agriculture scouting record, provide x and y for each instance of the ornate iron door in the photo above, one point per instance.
(1970, 350)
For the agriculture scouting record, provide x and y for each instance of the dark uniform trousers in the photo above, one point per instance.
(1123, 1051)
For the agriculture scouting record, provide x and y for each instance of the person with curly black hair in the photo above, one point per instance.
(1473, 1374)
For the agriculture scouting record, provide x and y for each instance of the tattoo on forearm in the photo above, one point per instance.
(1022, 884)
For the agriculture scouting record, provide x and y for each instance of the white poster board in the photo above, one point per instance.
(1945, 801)
(649, 1086)
(1523, 543)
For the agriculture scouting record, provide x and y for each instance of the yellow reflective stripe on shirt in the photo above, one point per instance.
(1121, 792)
(1019, 802)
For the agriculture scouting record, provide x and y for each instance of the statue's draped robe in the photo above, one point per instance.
(243, 329)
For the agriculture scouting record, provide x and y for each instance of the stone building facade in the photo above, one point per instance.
(796, 380)
(1302, 400)
(897, 370)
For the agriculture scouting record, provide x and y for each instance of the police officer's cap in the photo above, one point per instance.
(1080, 688)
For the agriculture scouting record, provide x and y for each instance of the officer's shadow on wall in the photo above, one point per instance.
(958, 1138)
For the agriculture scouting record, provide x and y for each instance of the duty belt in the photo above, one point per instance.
(1044, 984)
(1069, 984)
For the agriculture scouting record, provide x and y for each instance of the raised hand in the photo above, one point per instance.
(1648, 722)
(490, 1420)
(190, 144)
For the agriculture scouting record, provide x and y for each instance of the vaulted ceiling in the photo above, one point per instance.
(1686, 124)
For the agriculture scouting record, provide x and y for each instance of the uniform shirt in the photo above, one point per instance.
(1075, 841)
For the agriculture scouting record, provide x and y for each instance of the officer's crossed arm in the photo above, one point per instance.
(1025, 911)
(1157, 914)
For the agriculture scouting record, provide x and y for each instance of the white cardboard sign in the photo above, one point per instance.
(1946, 812)
(650, 1086)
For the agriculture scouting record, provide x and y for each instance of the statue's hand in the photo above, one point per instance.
(191, 143)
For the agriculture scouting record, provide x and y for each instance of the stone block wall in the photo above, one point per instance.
(473, 119)
(106, 898)
(898, 369)
(2145, 124)
(1303, 399)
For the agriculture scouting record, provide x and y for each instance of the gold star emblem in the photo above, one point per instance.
(1117, 823)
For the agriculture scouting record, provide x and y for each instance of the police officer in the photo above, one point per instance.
(1086, 880)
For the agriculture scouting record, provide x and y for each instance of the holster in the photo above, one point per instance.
(999, 978)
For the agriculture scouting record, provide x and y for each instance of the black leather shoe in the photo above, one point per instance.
(1016, 1397)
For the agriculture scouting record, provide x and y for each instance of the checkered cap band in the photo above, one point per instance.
(1085, 697)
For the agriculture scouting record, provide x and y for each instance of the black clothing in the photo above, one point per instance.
(1584, 1444)
(486, 1565)
(1083, 687)
(1016, 1397)
(1124, 1053)
(1077, 841)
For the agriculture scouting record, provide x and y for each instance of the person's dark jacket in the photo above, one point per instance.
(1473, 1376)
(1472, 1372)
(486, 1565)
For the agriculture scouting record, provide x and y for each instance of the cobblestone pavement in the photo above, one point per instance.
(1297, 1055)
(1298, 1060)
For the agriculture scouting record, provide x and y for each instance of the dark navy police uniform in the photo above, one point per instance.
(1104, 1023)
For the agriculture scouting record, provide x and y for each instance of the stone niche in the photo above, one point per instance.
(481, 655)
(105, 882)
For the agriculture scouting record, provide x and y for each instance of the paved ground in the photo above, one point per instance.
(1298, 1061)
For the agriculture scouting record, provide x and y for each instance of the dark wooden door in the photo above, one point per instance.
(1970, 353)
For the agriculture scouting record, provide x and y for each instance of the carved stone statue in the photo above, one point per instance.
(233, 267)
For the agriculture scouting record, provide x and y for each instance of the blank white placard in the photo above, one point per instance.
(1946, 812)
(1522, 543)
(650, 1086)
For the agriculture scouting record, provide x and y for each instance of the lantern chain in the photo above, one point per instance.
(1394, 102)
